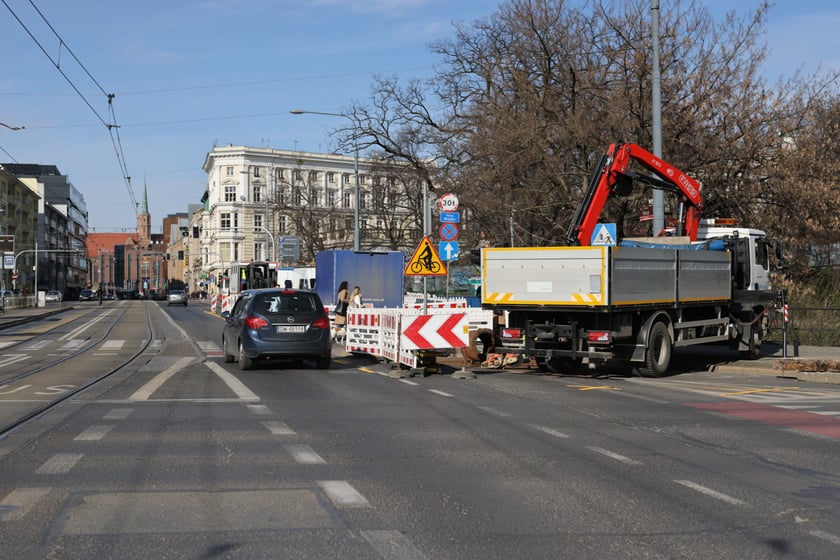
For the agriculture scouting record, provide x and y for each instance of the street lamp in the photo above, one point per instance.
(356, 194)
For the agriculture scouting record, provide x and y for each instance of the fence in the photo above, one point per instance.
(811, 326)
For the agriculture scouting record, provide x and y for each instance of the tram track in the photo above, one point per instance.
(44, 407)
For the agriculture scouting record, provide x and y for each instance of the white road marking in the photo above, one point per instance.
(259, 409)
(231, 381)
(833, 539)
(409, 382)
(493, 411)
(95, 432)
(13, 358)
(83, 328)
(112, 345)
(613, 455)
(441, 393)
(304, 454)
(392, 545)
(18, 502)
(118, 414)
(711, 493)
(37, 345)
(549, 431)
(342, 494)
(144, 392)
(278, 428)
(72, 345)
(60, 463)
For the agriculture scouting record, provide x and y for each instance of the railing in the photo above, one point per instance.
(18, 302)
(811, 326)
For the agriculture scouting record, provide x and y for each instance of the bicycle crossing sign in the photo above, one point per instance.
(425, 261)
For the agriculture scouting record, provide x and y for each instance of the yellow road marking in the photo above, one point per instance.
(770, 390)
(591, 387)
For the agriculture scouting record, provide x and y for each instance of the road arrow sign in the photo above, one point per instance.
(427, 332)
(448, 250)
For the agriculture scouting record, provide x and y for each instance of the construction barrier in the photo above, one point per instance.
(405, 335)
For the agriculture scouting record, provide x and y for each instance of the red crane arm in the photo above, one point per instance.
(611, 178)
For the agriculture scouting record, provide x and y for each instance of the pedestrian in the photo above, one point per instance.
(287, 284)
(342, 301)
(356, 298)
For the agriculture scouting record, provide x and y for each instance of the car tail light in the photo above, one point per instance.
(599, 337)
(321, 323)
(511, 333)
(254, 322)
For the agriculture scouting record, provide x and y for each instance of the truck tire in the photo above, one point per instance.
(753, 351)
(657, 351)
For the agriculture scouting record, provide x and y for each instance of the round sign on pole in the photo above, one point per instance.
(448, 231)
(448, 202)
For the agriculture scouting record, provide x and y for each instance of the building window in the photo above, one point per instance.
(258, 222)
(298, 175)
(225, 252)
(345, 200)
(348, 224)
(331, 196)
(333, 225)
(331, 176)
(281, 224)
(225, 220)
(362, 179)
(257, 193)
(258, 251)
(229, 171)
(256, 171)
(347, 178)
(313, 197)
(230, 193)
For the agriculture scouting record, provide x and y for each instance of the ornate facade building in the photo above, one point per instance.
(286, 206)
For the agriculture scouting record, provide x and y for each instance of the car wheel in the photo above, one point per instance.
(324, 362)
(245, 362)
(228, 358)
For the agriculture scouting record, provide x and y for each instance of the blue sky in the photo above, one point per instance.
(191, 74)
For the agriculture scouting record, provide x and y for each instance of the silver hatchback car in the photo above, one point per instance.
(272, 324)
(176, 297)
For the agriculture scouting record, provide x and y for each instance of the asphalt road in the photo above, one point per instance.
(183, 456)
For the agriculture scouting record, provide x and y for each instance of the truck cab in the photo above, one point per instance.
(750, 251)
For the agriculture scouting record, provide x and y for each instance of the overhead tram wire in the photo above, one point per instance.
(110, 126)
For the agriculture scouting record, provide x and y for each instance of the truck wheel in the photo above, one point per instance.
(753, 351)
(657, 351)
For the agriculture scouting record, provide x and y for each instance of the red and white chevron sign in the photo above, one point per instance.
(426, 332)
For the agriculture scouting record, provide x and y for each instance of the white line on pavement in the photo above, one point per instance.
(18, 502)
(711, 493)
(95, 432)
(612, 455)
(441, 393)
(278, 428)
(342, 494)
(304, 454)
(549, 431)
(392, 545)
(231, 381)
(144, 392)
(60, 463)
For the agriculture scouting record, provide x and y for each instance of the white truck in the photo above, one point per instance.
(638, 299)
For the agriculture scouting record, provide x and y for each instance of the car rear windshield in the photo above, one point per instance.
(286, 303)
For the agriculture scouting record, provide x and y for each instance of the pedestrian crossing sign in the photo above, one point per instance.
(425, 261)
(604, 234)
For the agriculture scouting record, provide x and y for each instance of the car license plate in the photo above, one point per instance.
(291, 328)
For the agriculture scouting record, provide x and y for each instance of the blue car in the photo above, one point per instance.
(273, 324)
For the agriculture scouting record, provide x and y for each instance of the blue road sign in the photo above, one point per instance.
(448, 250)
(450, 217)
(448, 232)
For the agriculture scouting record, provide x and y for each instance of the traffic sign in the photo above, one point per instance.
(425, 261)
(8, 261)
(453, 217)
(426, 332)
(604, 234)
(448, 231)
(448, 202)
(448, 250)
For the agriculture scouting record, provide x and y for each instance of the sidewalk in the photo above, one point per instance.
(22, 315)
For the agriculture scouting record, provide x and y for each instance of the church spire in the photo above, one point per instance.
(144, 206)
